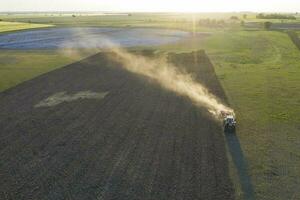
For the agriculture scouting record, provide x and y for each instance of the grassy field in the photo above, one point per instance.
(259, 71)
(187, 22)
(15, 26)
(19, 66)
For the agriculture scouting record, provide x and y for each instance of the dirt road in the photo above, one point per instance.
(137, 142)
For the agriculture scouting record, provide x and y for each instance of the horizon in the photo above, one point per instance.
(167, 6)
(148, 12)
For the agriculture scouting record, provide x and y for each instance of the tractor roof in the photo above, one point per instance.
(230, 117)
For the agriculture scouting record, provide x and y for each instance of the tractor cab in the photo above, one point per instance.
(229, 122)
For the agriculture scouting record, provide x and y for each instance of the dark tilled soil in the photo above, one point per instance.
(139, 142)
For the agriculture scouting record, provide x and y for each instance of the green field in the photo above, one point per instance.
(181, 21)
(259, 71)
(17, 66)
(16, 26)
(189, 22)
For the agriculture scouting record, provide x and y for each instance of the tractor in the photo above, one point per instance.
(229, 122)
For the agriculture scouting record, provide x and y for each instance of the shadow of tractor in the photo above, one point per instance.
(240, 163)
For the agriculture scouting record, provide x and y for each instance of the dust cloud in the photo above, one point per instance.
(172, 79)
(163, 73)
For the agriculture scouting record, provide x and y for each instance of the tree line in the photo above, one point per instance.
(274, 16)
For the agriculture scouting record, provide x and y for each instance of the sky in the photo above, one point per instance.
(152, 5)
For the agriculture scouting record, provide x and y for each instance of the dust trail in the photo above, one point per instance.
(172, 79)
(163, 73)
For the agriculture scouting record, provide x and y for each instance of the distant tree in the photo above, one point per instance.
(73, 15)
(234, 18)
(221, 22)
(129, 14)
(211, 23)
(242, 23)
(267, 25)
(245, 16)
(29, 21)
(1, 20)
